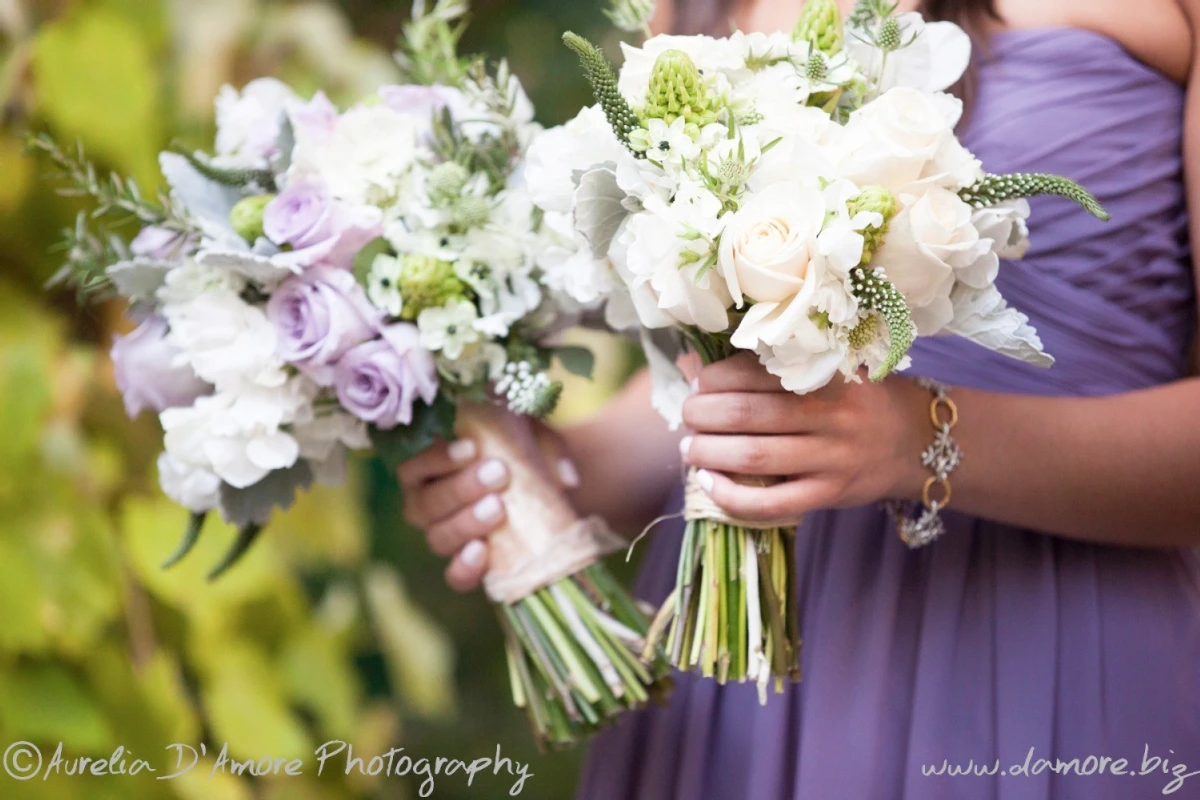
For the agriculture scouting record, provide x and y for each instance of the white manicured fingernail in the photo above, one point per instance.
(705, 479)
(461, 451)
(488, 509)
(695, 384)
(472, 554)
(492, 473)
(568, 473)
(685, 444)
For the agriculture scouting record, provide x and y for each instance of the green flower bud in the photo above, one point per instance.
(889, 35)
(881, 201)
(678, 90)
(639, 140)
(865, 332)
(427, 282)
(471, 211)
(247, 217)
(604, 86)
(820, 25)
(447, 180)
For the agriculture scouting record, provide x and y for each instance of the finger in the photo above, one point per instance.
(757, 455)
(554, 450)
(452, 534)
(441, 499)
(790, 499)
(749, 412)
(467, 569)
(439, 460)
(741, 373)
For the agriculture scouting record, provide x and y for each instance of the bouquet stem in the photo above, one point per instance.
(575, 639)
(732, 614)
(574, 656)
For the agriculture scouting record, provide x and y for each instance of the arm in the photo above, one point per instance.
(628, 458)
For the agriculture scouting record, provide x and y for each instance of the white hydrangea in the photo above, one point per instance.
(248, 122)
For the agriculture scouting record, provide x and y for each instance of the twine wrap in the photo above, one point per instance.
(698, 505)
(543, 539)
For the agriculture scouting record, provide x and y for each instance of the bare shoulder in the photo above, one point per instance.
(1158, 32)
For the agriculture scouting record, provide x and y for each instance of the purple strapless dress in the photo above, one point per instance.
(994, 642)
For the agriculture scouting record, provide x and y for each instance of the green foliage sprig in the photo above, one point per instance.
(600, 74)
(91, 246)
(995, 189)
(428, 51)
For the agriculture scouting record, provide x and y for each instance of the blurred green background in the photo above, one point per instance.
(338, 625)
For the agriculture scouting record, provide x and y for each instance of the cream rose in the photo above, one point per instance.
(928, 242)
(892, 141)
(770, 242)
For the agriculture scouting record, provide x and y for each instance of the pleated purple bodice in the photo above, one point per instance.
(994, 642)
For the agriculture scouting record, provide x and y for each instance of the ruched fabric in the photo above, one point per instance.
(995, 647)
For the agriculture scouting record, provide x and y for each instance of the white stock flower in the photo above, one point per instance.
(934, 61)
(324, 440)
(557, 154)
(248, 122)
(365, 157)
(903, 137)
(231, 436)
(806, 362)
(227, 341)
(191, 279)
(449, 329)
(195, 488)
(666, 246)
(567, 264)
(927, 243)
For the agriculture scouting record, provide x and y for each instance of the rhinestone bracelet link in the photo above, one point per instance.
(918, 525)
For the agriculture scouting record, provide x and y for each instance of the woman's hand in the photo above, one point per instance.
(454, 496)
(845, 445)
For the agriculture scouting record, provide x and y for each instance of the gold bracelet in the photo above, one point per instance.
(942, 456)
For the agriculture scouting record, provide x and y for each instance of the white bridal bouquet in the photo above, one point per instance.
(370, 278)
(802, 196)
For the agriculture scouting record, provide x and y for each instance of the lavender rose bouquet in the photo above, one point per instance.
(334, 280)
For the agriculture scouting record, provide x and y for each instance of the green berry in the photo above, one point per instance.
(246, 217)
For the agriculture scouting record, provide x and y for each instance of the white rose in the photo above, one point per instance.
(926, 243)
(770, 241)
(1005, 224)
(195, 488)
(804, 363)
(777, 250)
(227, 341)
(248, 122)
(893, 140)
(365, 158)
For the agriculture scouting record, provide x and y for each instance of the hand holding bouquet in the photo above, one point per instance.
(800, 196)
(333, 280)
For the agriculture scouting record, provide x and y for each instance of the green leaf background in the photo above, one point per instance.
(337, 625)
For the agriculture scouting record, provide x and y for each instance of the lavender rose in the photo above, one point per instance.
(378, 381)
(318, 228)
(320, 315)
(147, 372)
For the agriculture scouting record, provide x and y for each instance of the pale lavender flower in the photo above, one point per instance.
(318, 228)
(380, 380)
(149, 373)
(320, 315)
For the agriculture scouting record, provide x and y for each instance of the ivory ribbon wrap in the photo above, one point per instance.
(698, 505)
(544, 540)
